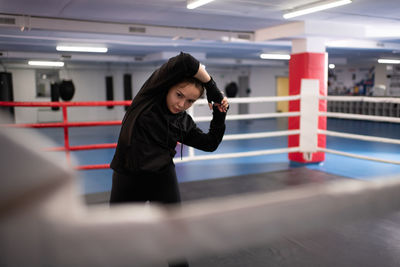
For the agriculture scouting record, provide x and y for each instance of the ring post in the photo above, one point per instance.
(308, 67)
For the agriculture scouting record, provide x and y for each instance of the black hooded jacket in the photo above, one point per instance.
(150, 132)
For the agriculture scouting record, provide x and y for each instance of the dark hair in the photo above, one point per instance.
(197, 83)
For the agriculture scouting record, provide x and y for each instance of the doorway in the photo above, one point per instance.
(282, 89)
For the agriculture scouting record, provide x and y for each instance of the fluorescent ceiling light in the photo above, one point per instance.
(191, 4)
(71, 48)
(275, 56)
(382, 32)
(350, 43)
(318, 6)
(46, 63)
(389, 61)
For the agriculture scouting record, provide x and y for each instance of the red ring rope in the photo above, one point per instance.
(66, 124)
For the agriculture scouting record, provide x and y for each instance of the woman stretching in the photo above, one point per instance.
(154, 123)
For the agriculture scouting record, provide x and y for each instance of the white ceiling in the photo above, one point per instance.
(218, 31)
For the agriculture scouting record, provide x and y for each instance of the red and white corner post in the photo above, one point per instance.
(308, 78)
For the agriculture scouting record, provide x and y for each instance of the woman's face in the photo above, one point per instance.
(181, 97)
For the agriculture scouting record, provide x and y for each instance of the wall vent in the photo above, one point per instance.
(137, 29)
(8, 21)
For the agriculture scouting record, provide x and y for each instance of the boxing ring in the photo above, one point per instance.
(72, 234)
(65, 124)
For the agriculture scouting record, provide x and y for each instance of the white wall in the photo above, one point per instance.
(24, 90)
(263, 83)
(89, 82)
(90, 86)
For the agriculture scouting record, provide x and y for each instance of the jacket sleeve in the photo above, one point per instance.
(207, 141)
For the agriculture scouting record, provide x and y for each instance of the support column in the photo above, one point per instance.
(308, 61)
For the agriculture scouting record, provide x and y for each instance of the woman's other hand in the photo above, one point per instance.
(223, 107)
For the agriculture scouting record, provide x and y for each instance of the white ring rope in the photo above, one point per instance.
(191, 151)
(260, 99)
(259, 135)
(357, 156)
(361, 99)
(359, 117)
(250, 116)
(361, 137)
(238, 154)
(193, 157)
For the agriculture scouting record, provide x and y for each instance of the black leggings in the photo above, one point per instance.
(145, 186)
